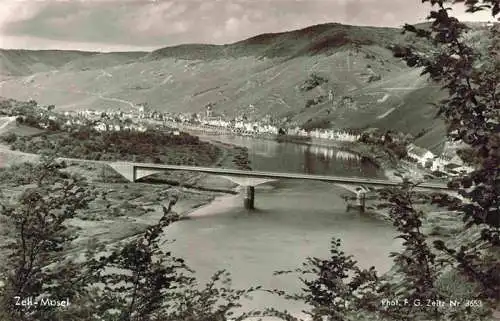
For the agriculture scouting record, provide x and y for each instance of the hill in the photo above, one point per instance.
(26, 62)
(269, 74)
(318, 39)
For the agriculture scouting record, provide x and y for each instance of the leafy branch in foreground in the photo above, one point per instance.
(336, 289)
(134, 281)
(468, 67)
(470, 72)
(38, 237)
(416, 267)
(138, 282)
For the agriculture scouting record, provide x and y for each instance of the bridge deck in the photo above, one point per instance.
(276, 175)
(263, 174)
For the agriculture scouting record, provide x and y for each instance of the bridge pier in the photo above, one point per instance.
(362, 203)
(134, 174)
(249, 200)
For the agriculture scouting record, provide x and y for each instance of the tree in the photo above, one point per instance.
(149, 284)
(470, 72)
(39, 236)
(416, 265)
(134, 281)
(335, 288)
(140, 294)
(9, 138)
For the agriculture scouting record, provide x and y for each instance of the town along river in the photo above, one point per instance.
(294, 219)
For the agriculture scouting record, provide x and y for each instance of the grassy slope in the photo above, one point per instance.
(26, 62)
(264, 71)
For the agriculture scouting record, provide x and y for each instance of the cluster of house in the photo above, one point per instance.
(265, 127)
(110, 120)
(448, 158)
(102, 121)
(102, 126)
(133, 114)
(330, 134)
(239, 125)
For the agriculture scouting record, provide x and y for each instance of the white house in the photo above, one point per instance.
(100, 127)
(439, 163)
(422, 155)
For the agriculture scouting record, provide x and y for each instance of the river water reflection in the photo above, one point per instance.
(295, 219)
(267, 155)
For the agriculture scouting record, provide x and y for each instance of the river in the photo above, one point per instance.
(294, 219)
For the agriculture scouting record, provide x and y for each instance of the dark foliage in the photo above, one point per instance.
(313, 124)
(315, 101)
(471, 75)
(133, 281)
(149, 146)
(312, 82)
(335, 288)
(393, 143)
(39, 238)
(241, 159)
(416, 264)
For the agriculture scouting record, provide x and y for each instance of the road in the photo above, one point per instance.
(5, 121)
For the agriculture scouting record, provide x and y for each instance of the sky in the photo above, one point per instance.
(137, 25)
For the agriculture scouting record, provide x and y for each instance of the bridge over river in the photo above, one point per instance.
(133, 171)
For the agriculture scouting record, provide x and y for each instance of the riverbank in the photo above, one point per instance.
(265, 136)
(367, 153)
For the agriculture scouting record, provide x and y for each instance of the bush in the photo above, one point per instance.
(9, 138)
(149, 146)
(312, 124)
(312, 82)
(373, 78)
(399, 150)
(315, 101)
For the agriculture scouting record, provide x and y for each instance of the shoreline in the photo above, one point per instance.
(320, 142)
(354, 148)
